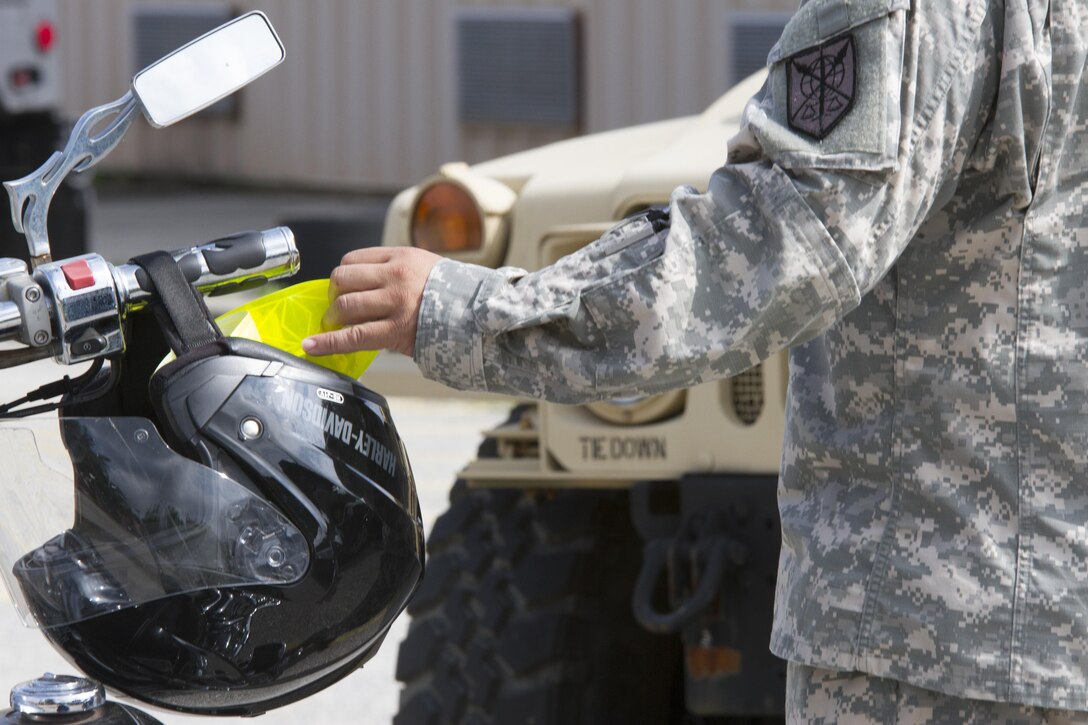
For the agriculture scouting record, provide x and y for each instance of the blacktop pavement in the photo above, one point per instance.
(440, 435)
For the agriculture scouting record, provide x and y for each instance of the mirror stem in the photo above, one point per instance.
(30, 196)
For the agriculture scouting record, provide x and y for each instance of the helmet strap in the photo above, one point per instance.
(186, 322)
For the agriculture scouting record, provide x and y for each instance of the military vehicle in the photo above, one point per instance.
(611, 562)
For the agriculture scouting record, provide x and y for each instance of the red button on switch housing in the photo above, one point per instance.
(78, 274)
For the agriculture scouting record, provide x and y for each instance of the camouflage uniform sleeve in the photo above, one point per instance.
(785, 240)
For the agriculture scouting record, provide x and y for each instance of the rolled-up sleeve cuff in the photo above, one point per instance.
(449, 347)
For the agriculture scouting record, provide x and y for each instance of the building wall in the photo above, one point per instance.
(367, 97)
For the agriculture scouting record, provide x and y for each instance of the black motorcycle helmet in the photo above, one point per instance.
(270, 533)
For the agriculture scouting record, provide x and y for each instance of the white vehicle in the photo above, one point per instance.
(30, 125)
(29, 73)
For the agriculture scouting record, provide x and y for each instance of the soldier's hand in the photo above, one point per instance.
(374, 298)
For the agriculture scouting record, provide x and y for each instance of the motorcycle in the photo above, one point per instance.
(208, 524)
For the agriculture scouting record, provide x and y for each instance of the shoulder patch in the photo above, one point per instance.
(822, 84)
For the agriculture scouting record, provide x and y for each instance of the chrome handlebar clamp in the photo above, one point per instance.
(86, 311)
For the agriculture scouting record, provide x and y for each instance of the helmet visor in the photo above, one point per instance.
(99, 514)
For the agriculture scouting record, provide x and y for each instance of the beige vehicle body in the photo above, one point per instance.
(541, 204)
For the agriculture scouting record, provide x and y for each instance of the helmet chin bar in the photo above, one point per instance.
(30, 196)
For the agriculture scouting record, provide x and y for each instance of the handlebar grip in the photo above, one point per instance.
(220, 257)
(224, 265)
(241, 251)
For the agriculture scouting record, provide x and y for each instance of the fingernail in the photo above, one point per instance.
(309, 344)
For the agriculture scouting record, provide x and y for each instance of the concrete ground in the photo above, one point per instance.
(440, 435)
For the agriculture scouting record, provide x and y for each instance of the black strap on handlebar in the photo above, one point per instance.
(179, 308)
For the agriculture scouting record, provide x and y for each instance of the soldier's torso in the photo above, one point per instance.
(935, 478)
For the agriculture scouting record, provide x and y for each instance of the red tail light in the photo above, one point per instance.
(45, 35)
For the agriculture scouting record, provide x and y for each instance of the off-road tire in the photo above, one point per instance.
(524, 616)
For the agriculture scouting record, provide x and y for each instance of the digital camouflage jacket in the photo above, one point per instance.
(905, 208)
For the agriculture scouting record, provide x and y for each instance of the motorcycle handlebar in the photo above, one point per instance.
(74, 308)
(230, 264)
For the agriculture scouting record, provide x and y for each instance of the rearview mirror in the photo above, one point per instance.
(191, 78)
(209, 68)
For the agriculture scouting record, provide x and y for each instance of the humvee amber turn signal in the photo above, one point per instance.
(446, 218)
